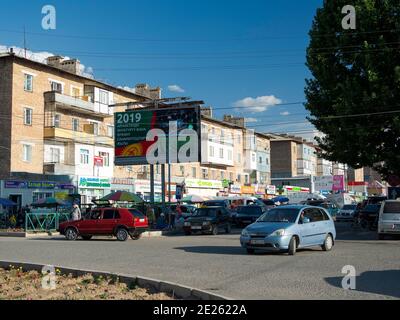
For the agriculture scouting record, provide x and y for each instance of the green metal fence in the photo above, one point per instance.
(44, 221)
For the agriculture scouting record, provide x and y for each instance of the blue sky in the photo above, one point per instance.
(219, 51)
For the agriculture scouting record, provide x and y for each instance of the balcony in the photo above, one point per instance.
(82, 105)
(80, 137)
(58, 168)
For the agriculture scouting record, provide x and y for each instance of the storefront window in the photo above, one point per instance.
(36, 196)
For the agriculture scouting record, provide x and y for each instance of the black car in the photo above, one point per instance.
(208, 220)
(246, 215)
(369, 215)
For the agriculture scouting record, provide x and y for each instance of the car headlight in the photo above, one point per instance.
(187, 224)
(245, 233)
(206, 223)
(278, 233)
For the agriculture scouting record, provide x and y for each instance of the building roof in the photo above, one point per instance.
(89, 81)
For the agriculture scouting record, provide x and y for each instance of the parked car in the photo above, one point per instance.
(246, 215)
(368, 216)
(208, 220)
(389, 219)
(346, 213)
(187, 210)
(118, 222)
(327, 205)
(289, 228)
(225, 203)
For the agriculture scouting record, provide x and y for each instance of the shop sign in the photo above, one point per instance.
(196, 183)
(297, 189)
(235, 188)
(98, 161)
(248, 189)
(94, 183)
(41, 185)
(15, 184)
(271, 190)
(338, 183)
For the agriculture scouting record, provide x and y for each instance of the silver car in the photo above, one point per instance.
(288, 228)
(346, 213)
(389, 219)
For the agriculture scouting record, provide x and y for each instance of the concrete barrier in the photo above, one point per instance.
(177, 290)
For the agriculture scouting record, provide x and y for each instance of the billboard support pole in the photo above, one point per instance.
(152, 184)
(163, 185)
(169, 182)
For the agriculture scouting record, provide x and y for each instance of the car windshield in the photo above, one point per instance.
(205, 212)
(214, 203)
(280, 215)
(136, 213)
(249, 210)
(349, 207)
(371, 208)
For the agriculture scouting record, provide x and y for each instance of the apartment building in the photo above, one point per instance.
(284, 157)
(57, 125)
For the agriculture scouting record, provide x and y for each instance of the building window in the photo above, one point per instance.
(56, 86)
(239, 139)
(55, 155)
(27, 153)
(230, 155)
(106, 158)
(57, 120)
(211, 151)
(239, 158)
(231, 176)
(222, 136)
(260, 160)
(253, 157)
(204, 173)
(182, 170)
(239, 178)
(28, 116)
(213, 174)
(222, 175)
(36, 196)
(75, 124)
(103, 97)
(95, 128)
(28, 82)
(194, 173)
(246, 179)
(76, 92)
(84, 156)
(110, 131)
(221, 153)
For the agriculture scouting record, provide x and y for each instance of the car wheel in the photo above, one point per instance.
(328, 243)
(250, 251)
(215, 230)
(71, 234)
(228, 228)
(122, 234)
(86, 237)
(292, 246)
(381, 236)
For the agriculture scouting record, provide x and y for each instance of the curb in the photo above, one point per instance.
(27, 234)
(177, 290)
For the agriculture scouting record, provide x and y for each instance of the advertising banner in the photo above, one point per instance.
(338, 183)
(196, 183)
(271, 190)
(235, 188)
(158, 136)
(94, 183)
(323, 183)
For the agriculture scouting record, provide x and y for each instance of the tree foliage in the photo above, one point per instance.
(354, 93)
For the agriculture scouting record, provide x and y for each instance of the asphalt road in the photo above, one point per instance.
(220, 265)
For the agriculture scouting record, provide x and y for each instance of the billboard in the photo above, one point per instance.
(338, 183)
(323, 183)
(158, 136)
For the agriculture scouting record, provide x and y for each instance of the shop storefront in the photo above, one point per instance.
(118, 184)
(205, 188)
(27, 192)
(248, 190)
(142, 188)
(92, 188)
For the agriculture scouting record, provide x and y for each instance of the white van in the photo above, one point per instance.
(389, 218)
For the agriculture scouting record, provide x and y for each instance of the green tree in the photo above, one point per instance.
(354, 73)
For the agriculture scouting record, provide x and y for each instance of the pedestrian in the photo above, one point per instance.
(150, 215)
(76, 213)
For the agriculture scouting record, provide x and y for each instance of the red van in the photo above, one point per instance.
(118, 222)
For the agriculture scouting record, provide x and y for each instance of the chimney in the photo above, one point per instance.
(155, 93)
(12, 51)
(238, 121)
(143, 89)
(72, 66)
(206, 111)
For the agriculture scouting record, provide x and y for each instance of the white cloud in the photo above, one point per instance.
(259, 104)
(175, 88)
(285, 113)
(42, 56)
(249, 120)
